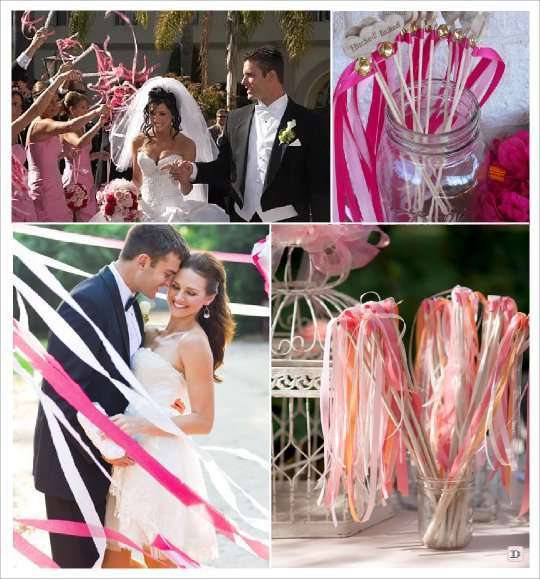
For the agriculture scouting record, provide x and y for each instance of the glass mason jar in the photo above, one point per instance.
(431, 175)
(486, 494)
(445, 512)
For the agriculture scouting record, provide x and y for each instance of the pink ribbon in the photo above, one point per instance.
(32, 553)
(93, 240)
(78, 529)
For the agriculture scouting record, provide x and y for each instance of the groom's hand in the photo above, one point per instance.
(180, 171)
(123, 461)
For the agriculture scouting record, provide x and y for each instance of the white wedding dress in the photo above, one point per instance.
(162, 199)
(137, 505)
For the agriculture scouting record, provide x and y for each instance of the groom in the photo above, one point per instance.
(275, 154)
(150, 258)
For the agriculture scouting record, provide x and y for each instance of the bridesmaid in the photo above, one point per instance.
(77, 146)
(22, 204)
(44, 148)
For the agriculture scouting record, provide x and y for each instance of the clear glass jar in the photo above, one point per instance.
(445, 512)
(486, 494)
(431, 176)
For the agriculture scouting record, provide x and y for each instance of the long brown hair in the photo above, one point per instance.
(219, 327)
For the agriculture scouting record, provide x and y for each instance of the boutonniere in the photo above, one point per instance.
(287, 135)
(145, 310)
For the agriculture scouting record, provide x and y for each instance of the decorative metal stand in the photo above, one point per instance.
(303, 302)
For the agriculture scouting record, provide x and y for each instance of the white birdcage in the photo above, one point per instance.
(304, 300)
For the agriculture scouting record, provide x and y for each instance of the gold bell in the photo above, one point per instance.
(458, 34)
(362, 66)
(443, 30)
(473, 42)
(385, 49)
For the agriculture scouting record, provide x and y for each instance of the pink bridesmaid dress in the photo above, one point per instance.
(45, 180)
(22, 205)
(78, 169)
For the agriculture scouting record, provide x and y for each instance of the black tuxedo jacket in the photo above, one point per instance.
(100, 298)
(298, 176)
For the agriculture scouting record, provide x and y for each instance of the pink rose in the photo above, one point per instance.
(513, 155)
(513, 207)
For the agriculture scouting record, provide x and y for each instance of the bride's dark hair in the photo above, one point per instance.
(158, 96)
(219, 327)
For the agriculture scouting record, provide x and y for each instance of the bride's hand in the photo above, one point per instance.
(179, 406)
(133, 425)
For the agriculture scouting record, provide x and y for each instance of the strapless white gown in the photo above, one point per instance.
(162, 199)
(140, 507)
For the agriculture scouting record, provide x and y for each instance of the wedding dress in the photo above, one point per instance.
(162, 199)
(137, 505)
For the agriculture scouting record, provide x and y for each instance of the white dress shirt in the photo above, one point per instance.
(23, 60)
(266, 120)
(131, 319)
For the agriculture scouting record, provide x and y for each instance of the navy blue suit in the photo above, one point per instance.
(99, 297)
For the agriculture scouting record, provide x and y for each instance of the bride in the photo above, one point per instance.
(177, 362)
(162, 126)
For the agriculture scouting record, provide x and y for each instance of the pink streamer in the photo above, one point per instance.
(83, 239)
(29, 26)
(32, 553)
(78, 529)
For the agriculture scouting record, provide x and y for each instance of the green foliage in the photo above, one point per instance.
(169, 25)
(210, 99)
(142, 18)
(245, 285)
(297, 28)
(80, 22)
(249, 21)
(423, 260)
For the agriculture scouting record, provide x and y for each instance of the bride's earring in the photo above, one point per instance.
(206, 313)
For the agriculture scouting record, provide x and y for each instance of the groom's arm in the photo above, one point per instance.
(318, 168)
(79, 371)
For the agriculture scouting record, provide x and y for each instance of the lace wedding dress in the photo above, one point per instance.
(162, 199)
(137, 505)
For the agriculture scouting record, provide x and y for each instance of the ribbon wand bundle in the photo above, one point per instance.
(464, 399)
(369, 410)
(471, 395)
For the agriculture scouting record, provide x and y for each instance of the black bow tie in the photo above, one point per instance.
(130, 302)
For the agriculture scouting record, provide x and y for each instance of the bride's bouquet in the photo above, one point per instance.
(119, 201)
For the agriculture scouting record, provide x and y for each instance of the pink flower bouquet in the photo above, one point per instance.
(118, 201)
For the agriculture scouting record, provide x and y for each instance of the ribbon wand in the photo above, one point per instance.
(49, 18)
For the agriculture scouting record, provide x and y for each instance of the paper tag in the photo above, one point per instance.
(408, 17)
(425, 19)
(473, 23)
(368, 36)
(451, 17)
